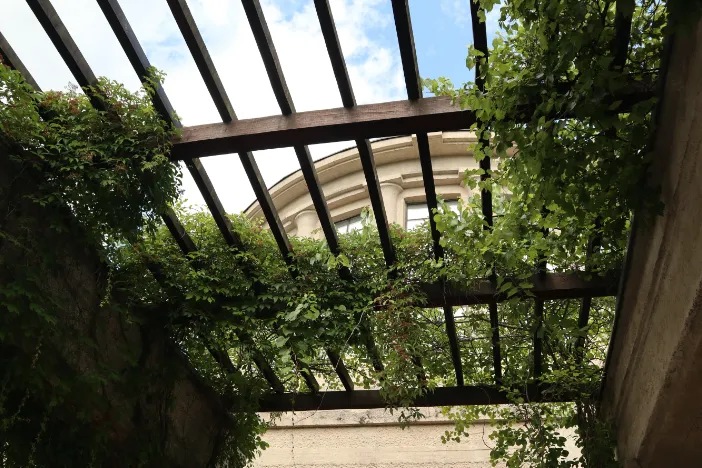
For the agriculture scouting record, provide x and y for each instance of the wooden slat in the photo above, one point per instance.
(622, 32)
(442, 396)
(135, 54)
(203, 61)
(263, 39)
(331, 39)
(376, 196)
(262, 35)
(365, 151)
(137, 57)
(340, 369)
(450, 322)
(67, 48)
(480, 43)
(408, 54)
(12, 60)
(405, 38)
(322, 126)
(550, 286)
(430, 191)
(584, 313)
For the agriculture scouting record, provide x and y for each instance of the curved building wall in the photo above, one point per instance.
(399, 173)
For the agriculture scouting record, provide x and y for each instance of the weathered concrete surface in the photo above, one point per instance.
(164, 414)
(653, 388)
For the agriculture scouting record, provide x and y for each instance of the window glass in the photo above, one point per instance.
(417, 213)
(350, 224)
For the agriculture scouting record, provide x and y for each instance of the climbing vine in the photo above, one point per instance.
(569, 156)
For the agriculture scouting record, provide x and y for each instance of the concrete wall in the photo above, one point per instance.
(653, 385)
(353, 438)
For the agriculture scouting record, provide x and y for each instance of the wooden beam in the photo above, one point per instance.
(408, 54)
(322, 126)
(137, 57)
(442, 396)
(135, 54)
(12, 60)
(67, 49)
(405, 39)
(549, 286)
(340, 369)
(331, 39)
(480, 43)
(186, 23)
(450, 322)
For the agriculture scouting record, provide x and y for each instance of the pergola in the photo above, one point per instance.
(416, 115)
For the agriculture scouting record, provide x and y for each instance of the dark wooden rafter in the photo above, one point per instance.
(262, 35)
(365, 151)
(137, 57)
(265, 45)
(541, 267)
(205, 65)
(12, 60)
(408, 55)
(198, 49)
(593, 246)
(622, 32)
(450, 322)
(480, 44)
(441, 396)
(67, 49)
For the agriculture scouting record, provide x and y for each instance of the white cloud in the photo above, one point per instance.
(459, 10)
(375, 72)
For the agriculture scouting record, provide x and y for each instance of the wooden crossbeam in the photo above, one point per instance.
(326, 21)
(322, 126)
(442, 396)
(548, 286)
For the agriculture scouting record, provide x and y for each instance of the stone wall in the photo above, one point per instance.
(166, 409)
(652, 388)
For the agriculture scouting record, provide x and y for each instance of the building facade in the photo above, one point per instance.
(399, 173)
(357, 438)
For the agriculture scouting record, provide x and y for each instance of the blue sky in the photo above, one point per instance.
(442, 31)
